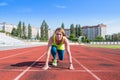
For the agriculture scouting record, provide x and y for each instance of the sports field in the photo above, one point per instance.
(104, 46)
(90, 64)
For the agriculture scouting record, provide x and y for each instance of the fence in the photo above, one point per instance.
(112, 43)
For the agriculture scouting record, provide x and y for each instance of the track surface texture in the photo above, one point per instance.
(89, 63)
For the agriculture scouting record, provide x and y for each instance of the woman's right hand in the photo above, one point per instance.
(45, 67)
(71, 67)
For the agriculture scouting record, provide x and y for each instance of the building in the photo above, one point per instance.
(7, 27)
(50, 33)
(35, 31)
(91, 32)
(67, 31)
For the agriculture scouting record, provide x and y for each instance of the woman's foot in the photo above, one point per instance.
(54, 63)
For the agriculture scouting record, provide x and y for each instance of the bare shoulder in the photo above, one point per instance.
(51, 39)
(65, 39)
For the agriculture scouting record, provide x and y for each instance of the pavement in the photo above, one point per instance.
(28, 44)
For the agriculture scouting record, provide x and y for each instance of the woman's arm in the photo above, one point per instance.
(67, 47)
(46, 66)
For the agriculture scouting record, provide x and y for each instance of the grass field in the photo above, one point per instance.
(104, 46)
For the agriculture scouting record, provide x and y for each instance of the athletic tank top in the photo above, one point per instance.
(59, 46)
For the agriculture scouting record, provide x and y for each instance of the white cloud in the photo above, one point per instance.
(59, 6)
(3, 4)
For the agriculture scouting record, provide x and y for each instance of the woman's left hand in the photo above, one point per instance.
(71, 67)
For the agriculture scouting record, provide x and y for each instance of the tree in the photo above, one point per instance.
(38, 36)
(24, 31)
(44, 30)
(62, 26)
(108, 37)
(19, 29)
(72, 36)
(76, 31)
(79, 30)
(118, 36)
(99, 38)
(72, 31)
(29, 31)
(14, 32)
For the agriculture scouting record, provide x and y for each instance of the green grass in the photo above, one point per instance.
(104, 46)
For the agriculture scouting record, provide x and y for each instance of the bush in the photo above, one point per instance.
(86, 41)
(74, 39)
(43, 39)
(2, 31)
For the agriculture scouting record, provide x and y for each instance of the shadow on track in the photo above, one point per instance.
(40, 64)
(29, 63)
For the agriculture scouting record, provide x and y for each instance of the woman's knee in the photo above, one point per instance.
(53, 49)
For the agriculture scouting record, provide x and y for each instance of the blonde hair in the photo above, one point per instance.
(61, 30)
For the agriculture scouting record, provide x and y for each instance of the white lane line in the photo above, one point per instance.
(95, 76)
(17, 70)
(16, 54)
(21, 74)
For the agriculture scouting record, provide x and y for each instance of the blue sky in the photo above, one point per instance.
(54, 12)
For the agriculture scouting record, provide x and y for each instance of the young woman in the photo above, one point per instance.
(57, 44)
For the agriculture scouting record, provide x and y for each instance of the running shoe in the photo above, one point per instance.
(54, 63)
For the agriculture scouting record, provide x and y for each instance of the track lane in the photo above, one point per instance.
(60, 72)
(97, 65)
(19, 62)
(95, 60)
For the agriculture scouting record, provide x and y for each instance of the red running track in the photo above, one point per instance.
(89, 63)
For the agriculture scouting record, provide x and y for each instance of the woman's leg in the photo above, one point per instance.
(53, 52)
(61, 54)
